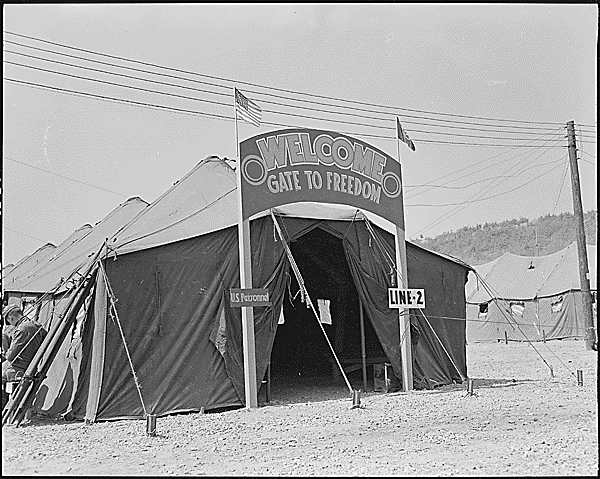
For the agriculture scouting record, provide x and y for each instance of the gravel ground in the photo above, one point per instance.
(520, 422)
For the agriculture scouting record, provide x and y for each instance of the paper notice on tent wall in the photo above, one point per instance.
(281, 317)
(324, 312)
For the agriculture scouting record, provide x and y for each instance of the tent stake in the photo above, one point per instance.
(470, 387)
(580, 377)
(268, 391)
(505, 337)
(151, 425)
(355, 399)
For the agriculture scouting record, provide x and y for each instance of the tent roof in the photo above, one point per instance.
(205, 200)
(482, 270)
(7, 268)
(528, 277)
(72, 253)
(10, 275)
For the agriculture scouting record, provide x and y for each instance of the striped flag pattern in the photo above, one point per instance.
(403, 136)
(246, 109)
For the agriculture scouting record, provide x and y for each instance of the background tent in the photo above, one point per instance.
(12, 274)
(12, 293)
(68, 257)
(542, 294)
(170, 269)
(7, 268)
(49, 285)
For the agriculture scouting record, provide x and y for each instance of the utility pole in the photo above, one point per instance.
(590, 333)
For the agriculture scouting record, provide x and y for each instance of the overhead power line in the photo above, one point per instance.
(464, 175)
(25, 234)
(468, 202)
(240, 82)
(228, 105)
(452, 125)
(464, 187)
(588, 154)
(480, 193)
(228, 118)
(472, 171)
(423, 140)
(65, 177)
(476, 195)
(561, 185)
(262, 100)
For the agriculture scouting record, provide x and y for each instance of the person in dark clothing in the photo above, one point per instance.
(24, 341)
(6, 336)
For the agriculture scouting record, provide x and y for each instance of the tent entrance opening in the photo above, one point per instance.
(300, 353)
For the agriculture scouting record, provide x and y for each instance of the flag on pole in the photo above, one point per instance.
(246, 109)
(403, 136)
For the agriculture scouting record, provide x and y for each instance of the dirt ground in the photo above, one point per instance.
(520, 421)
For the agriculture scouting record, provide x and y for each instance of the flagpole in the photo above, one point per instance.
(248, 340)
(402, 282)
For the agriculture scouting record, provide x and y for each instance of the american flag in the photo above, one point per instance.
(403, 136)
(246, 109)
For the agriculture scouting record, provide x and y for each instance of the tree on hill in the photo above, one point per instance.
(481, 243)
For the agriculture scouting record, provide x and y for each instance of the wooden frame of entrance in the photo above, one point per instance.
(297, 142)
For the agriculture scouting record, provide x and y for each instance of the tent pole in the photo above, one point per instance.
(362, 345)
(248, 338)
(37, 369)
(402, 282)
(268, 392)
(40, 364)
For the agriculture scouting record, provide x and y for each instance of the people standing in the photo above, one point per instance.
(23, 342)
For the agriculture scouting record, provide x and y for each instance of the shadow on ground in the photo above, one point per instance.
(303, 390)
(499, 383)
(478, 383)
(41, 421)
(308, 390)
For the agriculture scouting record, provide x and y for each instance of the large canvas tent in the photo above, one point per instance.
(158, 303)
(529, 297)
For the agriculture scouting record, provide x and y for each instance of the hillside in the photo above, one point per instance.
(484, 242)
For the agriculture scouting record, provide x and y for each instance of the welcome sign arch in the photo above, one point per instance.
(296, 165)
(310, 165)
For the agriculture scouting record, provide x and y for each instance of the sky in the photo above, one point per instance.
(504, 79)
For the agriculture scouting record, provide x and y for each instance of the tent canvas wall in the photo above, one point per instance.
(170, 269)
(540, 294)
